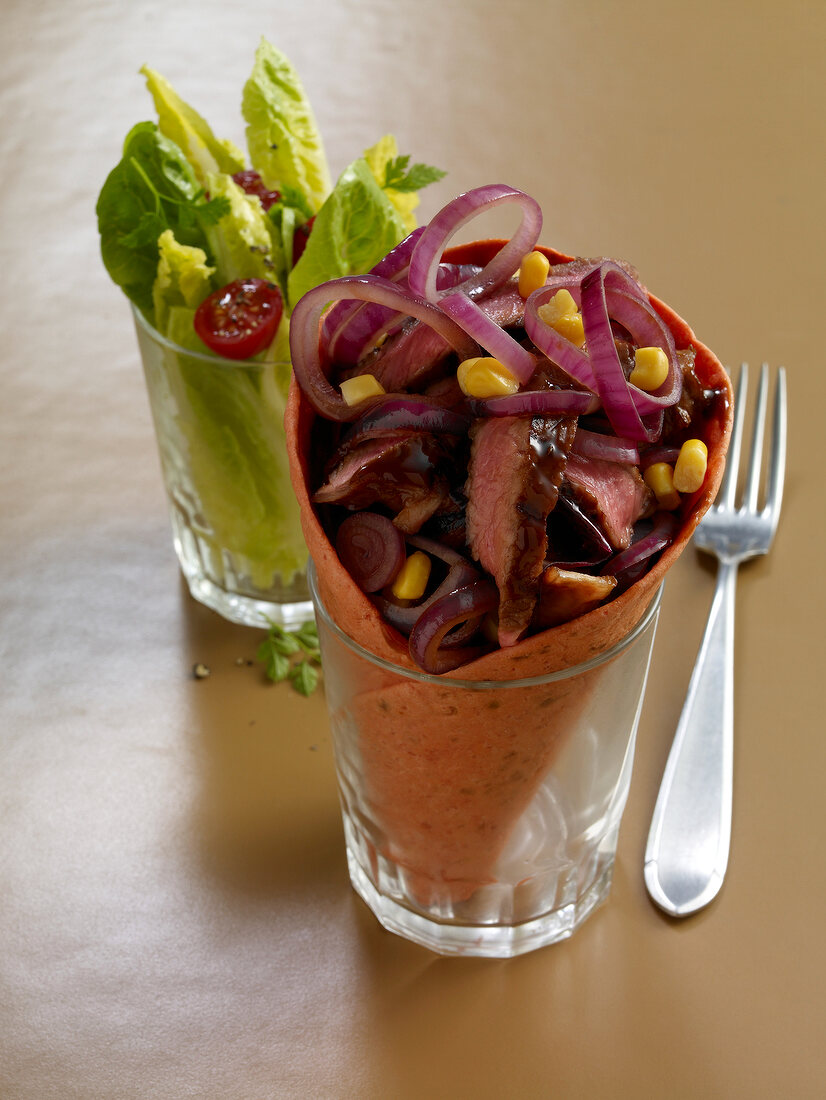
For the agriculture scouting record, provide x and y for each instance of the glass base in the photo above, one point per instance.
(234, 597)
(482, 940)
(247, 610)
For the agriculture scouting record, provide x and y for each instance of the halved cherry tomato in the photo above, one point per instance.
(302, 232)
(240, 319)
(251, 182)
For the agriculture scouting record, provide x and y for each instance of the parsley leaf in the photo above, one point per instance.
(304, 677)
(280, 646)
(399, 177)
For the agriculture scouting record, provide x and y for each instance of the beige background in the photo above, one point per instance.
(175, 916)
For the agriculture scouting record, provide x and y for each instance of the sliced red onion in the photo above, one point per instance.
(371, 549)
(658, 454)
(574, 360)
(609, 447)
(501, 345)
(470, 602)
(416, 412)
(391, 266)
(451, 218)
(613, 388)
(647, 329)
(460, 574)
(304, 335)
(666, 525)
(537, 403)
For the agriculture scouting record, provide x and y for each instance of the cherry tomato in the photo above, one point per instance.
(240, 319)
(302, 232)
(252, 183)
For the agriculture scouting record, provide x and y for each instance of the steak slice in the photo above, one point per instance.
(402, 471)
(613, 494)
(515, 470)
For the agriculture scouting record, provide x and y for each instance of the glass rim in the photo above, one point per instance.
(484, 685)
(203, 356)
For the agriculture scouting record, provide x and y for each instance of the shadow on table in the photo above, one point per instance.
(266, 820)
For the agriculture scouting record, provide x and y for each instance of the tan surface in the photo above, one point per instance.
(175, 917)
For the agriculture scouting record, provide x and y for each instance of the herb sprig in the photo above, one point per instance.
(292, 655)
(401, 178)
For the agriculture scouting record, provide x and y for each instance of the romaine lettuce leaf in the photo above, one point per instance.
(152, 189)
(355, 227)
(242, 242)
(283, 138)
(233, 424)
(183, 278)
(190, 132)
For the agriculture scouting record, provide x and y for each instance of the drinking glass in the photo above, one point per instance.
(235, 520)
(481, 817)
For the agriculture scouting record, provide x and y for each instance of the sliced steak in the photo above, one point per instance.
(614, 495)
(403, 471)
(515, 470)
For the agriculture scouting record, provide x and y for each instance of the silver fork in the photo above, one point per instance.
(688, 843)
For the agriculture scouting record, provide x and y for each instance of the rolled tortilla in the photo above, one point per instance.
(447, 773)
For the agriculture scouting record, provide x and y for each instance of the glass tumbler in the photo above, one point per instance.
(219, 425)
(481, 817)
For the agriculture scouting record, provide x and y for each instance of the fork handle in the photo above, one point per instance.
(688, 843)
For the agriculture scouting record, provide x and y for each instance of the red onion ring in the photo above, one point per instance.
(537, 403)
(608, 447)
(658, 454)
(460, 574)
(612, 386)
(417, 413)
(666, 525)
(451, 218)
(304, 335)
(391, 266)
(485, 331)
(558, 348)
(371, 549)
(470, 602)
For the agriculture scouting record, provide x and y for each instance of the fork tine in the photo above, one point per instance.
(728, 486)
(777, 458)
(752, 488)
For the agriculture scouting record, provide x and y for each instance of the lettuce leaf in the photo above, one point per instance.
(183, 278)
(190, 132)
(283, 138)
(152, 188)
(355, 227)
(241, 241)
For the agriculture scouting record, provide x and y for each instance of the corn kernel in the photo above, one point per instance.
(360, 387)
(650, 369)
(691, 465)
(485, 377)
(659, 477)
(572, 329)
(561, 313)
(412, 578)
(533, 271)
(561, 305)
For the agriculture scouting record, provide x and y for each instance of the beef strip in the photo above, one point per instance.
(415, 356)
(516, 467)
(405, 471)
(614, 495)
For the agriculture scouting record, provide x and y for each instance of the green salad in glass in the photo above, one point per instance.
(214, 248)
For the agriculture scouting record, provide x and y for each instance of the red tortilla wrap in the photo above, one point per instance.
(448, 778)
